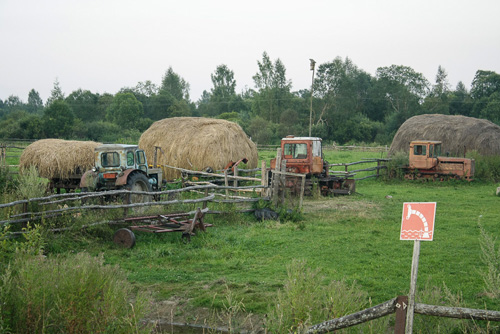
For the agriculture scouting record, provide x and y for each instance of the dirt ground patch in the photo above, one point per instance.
(358, 207)
(176, 316)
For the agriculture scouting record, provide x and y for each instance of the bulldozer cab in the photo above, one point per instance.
(423, 154)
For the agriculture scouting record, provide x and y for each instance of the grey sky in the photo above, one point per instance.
(105, 45)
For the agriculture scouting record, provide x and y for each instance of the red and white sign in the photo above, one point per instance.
(417, 222)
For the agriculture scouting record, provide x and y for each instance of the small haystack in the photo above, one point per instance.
(196, 143)
(57, 158)
(457, 133)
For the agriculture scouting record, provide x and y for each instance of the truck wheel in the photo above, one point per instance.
(139, 182)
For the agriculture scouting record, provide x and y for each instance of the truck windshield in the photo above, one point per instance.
(110, 159)
(296, 151)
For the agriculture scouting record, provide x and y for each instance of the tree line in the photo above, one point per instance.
(347, 104)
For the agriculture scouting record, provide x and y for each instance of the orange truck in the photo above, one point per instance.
(425, 161)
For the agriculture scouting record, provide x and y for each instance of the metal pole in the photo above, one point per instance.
(312, 83)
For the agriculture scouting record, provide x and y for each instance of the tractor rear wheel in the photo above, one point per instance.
(139, 182)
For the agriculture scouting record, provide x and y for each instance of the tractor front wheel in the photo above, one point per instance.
(139, 182)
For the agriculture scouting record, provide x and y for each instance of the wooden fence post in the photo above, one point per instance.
(235, 182)
(226, 183)
(283, 182)
(302, 189)
(264, 179)
(276, 177)
(401, 306)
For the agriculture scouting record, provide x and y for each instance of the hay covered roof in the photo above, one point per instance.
(196, 143)
(457, 133)
(57, 158)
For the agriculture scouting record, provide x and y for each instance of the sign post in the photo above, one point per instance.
(417, 224)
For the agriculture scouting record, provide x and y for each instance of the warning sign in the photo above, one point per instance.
(418, 221)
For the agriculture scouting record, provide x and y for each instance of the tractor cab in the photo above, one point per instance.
(115, 164)
(424, 154)
(302, 154)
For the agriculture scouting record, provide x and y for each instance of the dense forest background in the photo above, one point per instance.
(348, 104)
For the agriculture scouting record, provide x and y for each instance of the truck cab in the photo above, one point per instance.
(302, 154)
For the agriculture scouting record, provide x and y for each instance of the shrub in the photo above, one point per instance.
(30, 184)
(487, 167)
(394, 170)
(76, 294)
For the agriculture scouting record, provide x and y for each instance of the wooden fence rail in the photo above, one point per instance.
(352, 173)
(398, 305)
(125, 194)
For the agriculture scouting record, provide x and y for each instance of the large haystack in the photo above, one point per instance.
(457, 133)
(196, 143)
(57, 158)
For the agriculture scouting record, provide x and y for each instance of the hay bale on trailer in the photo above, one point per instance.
(59, 160)
(196, 143)
(457, 134)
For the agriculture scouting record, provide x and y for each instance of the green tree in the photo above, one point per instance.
(484, 84)
(341, 90)
(35, 103)
(437, 102)
(12, 104)
(125, 110)
(56, 93)
(273, 94)
(180, 108)
(460, 101)
(404, 89)
(491, 110)
(58, 120)
(84, 105)
(261, 131)
(175, 85)
(222, 98)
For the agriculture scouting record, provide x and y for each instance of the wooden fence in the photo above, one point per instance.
(353, 172)
(11, 152)
(398, 306)
(77, 203)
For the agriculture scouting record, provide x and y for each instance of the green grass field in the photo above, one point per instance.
(352, 238)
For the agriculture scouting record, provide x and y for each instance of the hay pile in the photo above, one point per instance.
(455, 132)
(196, 143)
(57, 158)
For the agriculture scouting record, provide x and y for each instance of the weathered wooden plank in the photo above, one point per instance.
(457, 312)
(350, 320)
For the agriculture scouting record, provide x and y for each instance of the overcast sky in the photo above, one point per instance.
(105, 45)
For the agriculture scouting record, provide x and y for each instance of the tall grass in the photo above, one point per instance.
(490, 256)
(305, 301)
(73, 294)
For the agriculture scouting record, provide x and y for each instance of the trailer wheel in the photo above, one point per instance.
(124, 238)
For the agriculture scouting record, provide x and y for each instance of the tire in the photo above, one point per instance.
(139, 182)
